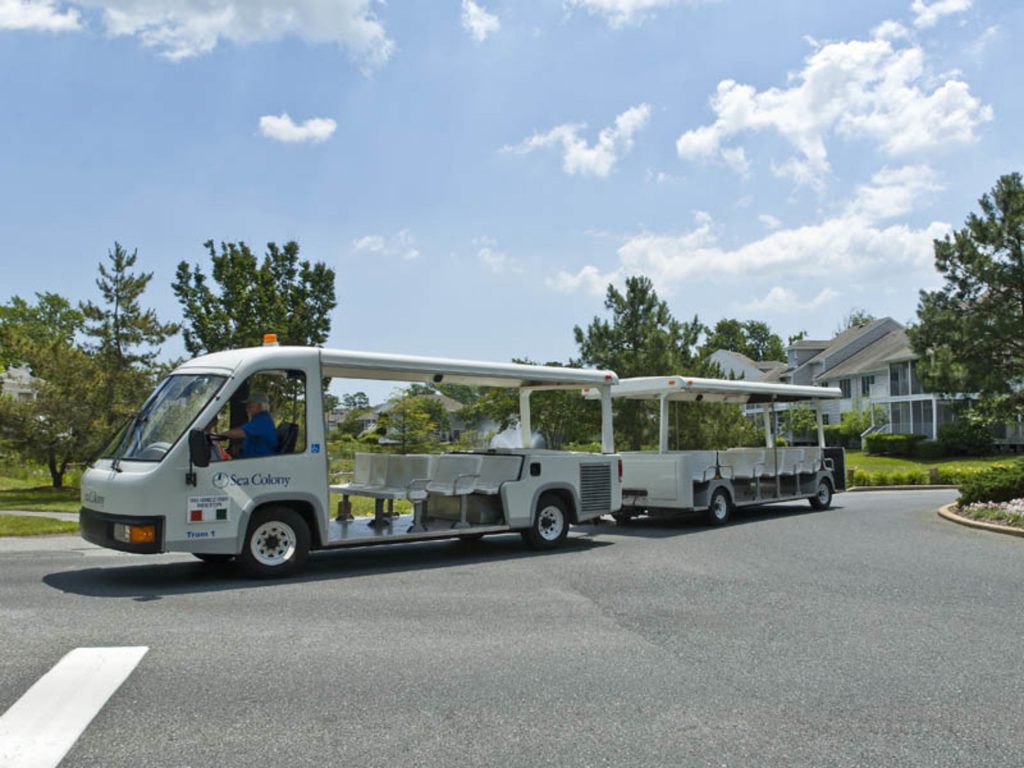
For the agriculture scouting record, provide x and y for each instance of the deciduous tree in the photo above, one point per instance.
(752, 338)
(68, 420)
(52, 320)
(248, 298)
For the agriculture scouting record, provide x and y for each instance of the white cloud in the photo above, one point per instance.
(858, 89)
(850, 244)
(478, 22)
(40, 15)
(782, 301)
(402, 245)
(577, 157)
(588, 280)
(977, 48)
(893, 192)
(736, 158)
(889, 30)
(498, 263)
(283, 128)
(771, 222)
(622, 12)
(180, 29)
(926, 15)
(660, 177)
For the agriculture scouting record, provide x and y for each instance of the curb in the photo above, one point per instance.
(948, 513)
(863, 488)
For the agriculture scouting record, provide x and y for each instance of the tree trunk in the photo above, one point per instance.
(56, 473)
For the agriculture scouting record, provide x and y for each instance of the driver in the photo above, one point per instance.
(258, 435)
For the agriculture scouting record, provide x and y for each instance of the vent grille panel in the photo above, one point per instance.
(596, 487)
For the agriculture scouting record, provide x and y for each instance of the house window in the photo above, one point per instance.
(899, 418)
(922, 413)
(866, 382)
(899, 382)
(844, 385)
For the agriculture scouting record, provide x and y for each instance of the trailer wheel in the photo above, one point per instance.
(823, 498)
(211, 557)
(276, 544)
(550, 525)
(720, 507)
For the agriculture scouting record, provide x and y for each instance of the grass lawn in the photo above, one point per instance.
(19, 525)
(363, 507)
(29, 496)
(888, 470)
(869, 463)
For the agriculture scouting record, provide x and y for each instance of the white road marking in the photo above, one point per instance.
(40, 727)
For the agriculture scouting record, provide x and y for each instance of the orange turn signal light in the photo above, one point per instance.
(142, 534)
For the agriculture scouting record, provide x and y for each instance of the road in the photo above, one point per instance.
(871, 634)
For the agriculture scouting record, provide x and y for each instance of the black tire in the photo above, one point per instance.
(550, 525)
(210, 557)
(622, 518)
(719, 508)
(276, 543)
(823, 498)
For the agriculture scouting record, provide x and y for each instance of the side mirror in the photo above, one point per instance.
(199, 448)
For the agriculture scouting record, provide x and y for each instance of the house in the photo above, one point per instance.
(872, 364)
(456, 425)
(735, 365)
(18, 383)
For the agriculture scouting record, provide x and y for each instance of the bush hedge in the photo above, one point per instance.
(836, 435)
(892, 445)
(1001, 482)
(966, 438)
(862, 477)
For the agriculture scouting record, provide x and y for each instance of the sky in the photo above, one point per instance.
(478, 172)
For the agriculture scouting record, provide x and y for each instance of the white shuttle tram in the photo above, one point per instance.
(667, 483)
(162, 488)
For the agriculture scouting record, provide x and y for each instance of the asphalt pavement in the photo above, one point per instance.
(872, 634)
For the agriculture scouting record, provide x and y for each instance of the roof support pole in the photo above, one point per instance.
(525, 427)
(607, 429)
(820, 422)
(766, 411)
(663, 425)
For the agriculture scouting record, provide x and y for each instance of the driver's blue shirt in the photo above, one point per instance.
(260, 436)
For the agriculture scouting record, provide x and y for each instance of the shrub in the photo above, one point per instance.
(861, 477)
(929, 449)
(964, 437)
(1002, 482)
(834, 435)
(892, 445)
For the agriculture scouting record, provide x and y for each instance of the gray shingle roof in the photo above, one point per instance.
(891, 348)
